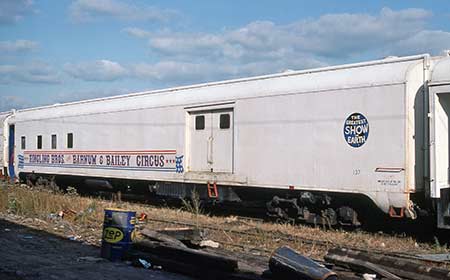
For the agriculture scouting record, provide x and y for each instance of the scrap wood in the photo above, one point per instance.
(198, 271)
(399, 266)
(188, 256)
(361, 266)
(156, 236)
(246, 262)
(184, 233)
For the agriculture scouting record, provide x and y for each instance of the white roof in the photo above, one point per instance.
(379, 72)
(441, 72)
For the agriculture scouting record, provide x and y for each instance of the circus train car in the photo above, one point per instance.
(314, 145)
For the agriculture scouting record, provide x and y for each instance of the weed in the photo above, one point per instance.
(193, 205)
(71, 191)
(438, 247)
(13, 204)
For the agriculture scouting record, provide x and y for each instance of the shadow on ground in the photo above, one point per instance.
(27, 253)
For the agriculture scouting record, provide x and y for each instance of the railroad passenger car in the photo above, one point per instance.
(4, 152)
(318, 145)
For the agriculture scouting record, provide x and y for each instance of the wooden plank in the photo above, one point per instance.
(184, 234)
(188, 256)
(159, 237)
(399, 266)
(195, 270)
(361, 266)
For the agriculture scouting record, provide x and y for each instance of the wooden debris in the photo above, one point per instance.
(159, 237)
(395, 265)
(199, 272)
(185, 234)
(285, 263)
(361, 266)
(188, 256)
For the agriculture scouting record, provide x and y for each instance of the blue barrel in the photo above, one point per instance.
(118, 230)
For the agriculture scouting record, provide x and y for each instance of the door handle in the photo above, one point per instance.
(209, 150)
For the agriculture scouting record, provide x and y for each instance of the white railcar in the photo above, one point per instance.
(4, 144)
(376, 130)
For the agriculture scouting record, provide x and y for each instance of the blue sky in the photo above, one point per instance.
(60, 50)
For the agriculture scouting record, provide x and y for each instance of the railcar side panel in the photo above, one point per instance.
(299, 140)
(144, 144)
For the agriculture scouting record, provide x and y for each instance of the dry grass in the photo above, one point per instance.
(84, 218)
(37, 203)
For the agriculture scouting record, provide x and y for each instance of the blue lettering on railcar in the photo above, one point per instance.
(356, 130)
(21, 161)
(179, 164)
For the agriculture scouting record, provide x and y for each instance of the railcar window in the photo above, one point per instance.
(224, 121)
(54, 141)
(69, 140)
(39, 142)
(23, 143)
(199, 122)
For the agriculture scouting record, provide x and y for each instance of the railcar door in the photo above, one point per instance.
(440, 152)
(211, 141)
(222, 141)
(200, 141)
(439, 140)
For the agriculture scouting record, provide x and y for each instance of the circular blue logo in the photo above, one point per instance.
(356, 130)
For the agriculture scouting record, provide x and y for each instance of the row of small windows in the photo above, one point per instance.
(224, 122)
(54, 139)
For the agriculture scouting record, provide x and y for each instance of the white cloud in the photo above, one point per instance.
(13, 11)
(68, 95)
(425, 41)
(90, 10)
(33, 72)
(329, 36)
(137, 32)
(263, 47)
(18, 46)
(99, 70)
(173, 73)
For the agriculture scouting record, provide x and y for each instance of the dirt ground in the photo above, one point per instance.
(27, 253)
(36, 226)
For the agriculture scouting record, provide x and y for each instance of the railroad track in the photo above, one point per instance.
(290, 238)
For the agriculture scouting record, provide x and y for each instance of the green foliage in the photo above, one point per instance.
(71, 191)
(13, 204)
(194, 204)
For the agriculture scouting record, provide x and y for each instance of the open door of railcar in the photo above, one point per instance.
(439, 95)
(439, 121)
